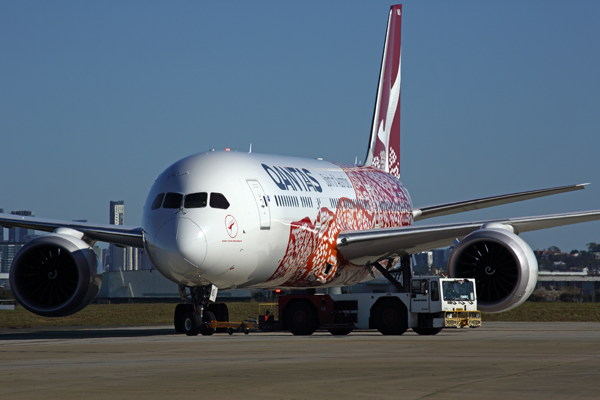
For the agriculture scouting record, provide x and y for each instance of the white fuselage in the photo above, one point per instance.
(252, 220)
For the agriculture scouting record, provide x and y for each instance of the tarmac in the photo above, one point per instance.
(497, 361)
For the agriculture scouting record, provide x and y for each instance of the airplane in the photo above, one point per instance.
(228, 219)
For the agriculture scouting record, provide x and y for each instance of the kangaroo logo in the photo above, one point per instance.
(231, 226)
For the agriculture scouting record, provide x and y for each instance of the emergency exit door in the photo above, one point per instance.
(261, 203)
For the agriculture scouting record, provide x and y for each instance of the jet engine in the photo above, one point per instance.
(503, 265)
(56, 275)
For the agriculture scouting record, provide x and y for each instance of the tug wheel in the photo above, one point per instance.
(391, 317)
(301, 319)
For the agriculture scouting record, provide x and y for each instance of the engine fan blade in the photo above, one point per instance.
(493, 267)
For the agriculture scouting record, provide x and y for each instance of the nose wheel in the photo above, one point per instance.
(205, 328)
(197, 314)
(191, 324)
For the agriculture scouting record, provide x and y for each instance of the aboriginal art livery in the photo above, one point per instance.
(226, 220)
(290, 220)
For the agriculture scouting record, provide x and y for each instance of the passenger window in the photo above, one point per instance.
(157, 201)
(195, 200)
(217, 200)
(173, 200)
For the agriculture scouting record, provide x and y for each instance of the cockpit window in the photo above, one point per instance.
(217, 200)
(173, 200)
(195, 200)
(157, 201)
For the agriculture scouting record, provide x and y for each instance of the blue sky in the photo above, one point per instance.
(97, 98)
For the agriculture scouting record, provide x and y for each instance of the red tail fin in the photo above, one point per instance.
(384, 146)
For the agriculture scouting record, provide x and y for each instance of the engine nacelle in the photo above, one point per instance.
(503, 265)
(56, 275)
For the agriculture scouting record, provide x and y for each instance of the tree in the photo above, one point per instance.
(554, 249)
(593, 247)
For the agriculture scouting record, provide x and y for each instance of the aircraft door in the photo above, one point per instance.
(261, 203)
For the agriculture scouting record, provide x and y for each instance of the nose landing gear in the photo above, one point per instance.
(196, 315)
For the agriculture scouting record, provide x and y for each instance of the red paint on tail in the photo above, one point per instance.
(384, 146)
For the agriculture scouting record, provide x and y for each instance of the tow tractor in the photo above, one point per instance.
(433, 303)
(425, 304)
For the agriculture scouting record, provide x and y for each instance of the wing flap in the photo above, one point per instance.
(362, 247)
(117, 234)
(485, 202)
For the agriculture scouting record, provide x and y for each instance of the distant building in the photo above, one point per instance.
(432, 262)
(143, 261)
(118, 258)
(117, 212)
(423, 260)
(586, 283)
(441, 257)
(137, 284)
(18, 235)
(7, 253)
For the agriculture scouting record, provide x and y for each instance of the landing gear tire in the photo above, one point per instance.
(427, 331)
(180, 312)
(191, 324)
(207, 318)
(301, 319)
(221, 314)
(391, 317)
(340, 332)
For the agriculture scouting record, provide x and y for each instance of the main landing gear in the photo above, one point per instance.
(196, 315)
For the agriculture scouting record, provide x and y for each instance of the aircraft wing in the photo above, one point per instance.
(362, 247)
(117, 234)
(485, 202)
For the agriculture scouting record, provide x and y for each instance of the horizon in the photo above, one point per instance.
(99, 98)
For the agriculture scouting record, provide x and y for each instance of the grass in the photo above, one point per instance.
(549, 312)
(114, 314)
(162, 314)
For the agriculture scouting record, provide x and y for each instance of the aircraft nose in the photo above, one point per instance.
(182, 243)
